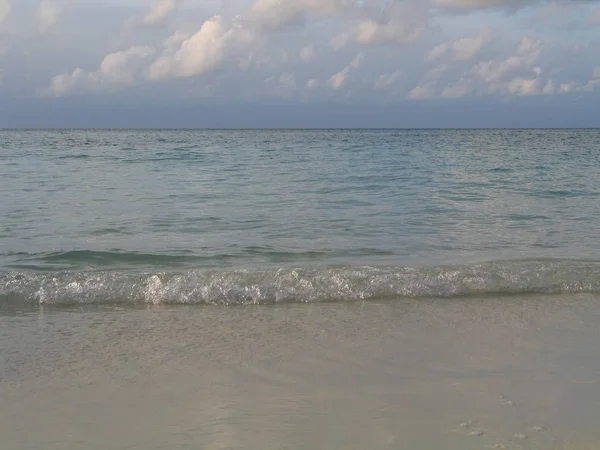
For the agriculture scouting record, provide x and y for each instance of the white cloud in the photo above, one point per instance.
(400, 23)
(466, 49)
(307, 53)
(65, 84)
(463, 49)
(199, 54)
(422, 92)
(518, 74)
(524, 86)
(117, 69)
(436, 72)
(272, 15)
(338, 79)
(478, 4)
(357, 61)
(258, 40)
(123, 67)
(370, 31)
(386, 79)
(49, 12)
(312, 84)
(458, 90)
(498, 71)
(437, 51)
(565, 88)
(5, 9)
(515, 75)
(426, 88)
(174, 41)
(159, 12)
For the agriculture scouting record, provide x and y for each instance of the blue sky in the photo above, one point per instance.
(299, 63)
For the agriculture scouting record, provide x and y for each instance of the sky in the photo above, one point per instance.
(299, 63)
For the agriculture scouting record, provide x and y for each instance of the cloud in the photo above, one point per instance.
(498, 71)
(386, 79)
(275, 15)
(422, 92)
(370, 32)
(117, 69)
(481, 4)
(595, 17)
(524, 86)
(436, 72)
(462, 50)
(339, 79)
(398, 23)
(460, 89)
(509, 5)
(312, 84)
(357, 61)
(307, 53)
(518, 74)
(199, 54)
(286, 85)
(5, 9)
(159, 12)
(49, 12)
(253, 41)
(466, 49)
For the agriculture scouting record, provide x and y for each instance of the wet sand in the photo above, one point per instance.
(473, 373)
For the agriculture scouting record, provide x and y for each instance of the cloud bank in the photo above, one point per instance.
(402, 50)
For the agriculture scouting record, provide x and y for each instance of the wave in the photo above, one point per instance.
(89, 259)
(287, 285)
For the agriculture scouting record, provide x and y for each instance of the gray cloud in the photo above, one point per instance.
(470, 5)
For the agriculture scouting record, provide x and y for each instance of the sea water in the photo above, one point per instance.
(301, 215)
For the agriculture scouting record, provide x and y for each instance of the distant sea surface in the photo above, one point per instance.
(257, 216)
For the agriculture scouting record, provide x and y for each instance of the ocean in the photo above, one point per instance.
(299, 288)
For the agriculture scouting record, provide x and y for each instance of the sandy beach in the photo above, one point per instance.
(464, 373)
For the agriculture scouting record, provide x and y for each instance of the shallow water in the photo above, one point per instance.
(402, 374)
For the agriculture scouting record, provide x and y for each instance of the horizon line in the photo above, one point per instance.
(281, 128)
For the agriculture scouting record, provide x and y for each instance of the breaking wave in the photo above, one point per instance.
(286, 285)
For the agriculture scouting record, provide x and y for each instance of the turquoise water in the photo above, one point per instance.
(218, 216)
